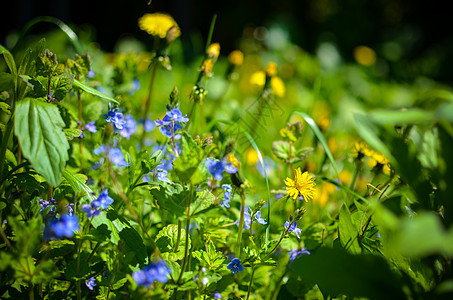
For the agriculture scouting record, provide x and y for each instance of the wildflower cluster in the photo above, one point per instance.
(171, 123)
(102, 202)
(157, 271)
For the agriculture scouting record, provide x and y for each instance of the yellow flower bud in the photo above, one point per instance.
(236, 58)
(213, 51)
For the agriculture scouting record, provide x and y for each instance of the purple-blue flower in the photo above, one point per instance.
(293, 254)
(217, 295)
(293, 227)
(215, 168)
(45, 204)
(259, 219)
(103, 200)
(162, 175)
(226, 195)
(235, 265)
(158, 271)
(70, 209)
(171, 123)
(148, 125)
(91, 127)
(135, 86)
(129, 127)
(62, 227)
(90, 283)
(117, 157)
(115, 117)
(91, 210)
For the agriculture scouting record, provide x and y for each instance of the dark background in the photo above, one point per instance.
(421, 27)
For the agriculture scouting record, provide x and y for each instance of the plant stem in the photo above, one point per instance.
(250, 283)
(241, 225)
(148, 98)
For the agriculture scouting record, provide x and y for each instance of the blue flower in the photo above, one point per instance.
(226, 195)
(162, 175)
(90, 283)
(91, 73)
(171, 123)
(215, 168)
(70, 209)
(99, 150)
(293, 254)
(235, 265)
(259, 219)
(154, 272)
(117, 157)
(135, 86)
(103, 201)
(293, 227)
(45, 204)
(217, 295)
(148, 125)
(129, 127)
(91, 210)
(91, 127)
(115, 117)
(63, 227)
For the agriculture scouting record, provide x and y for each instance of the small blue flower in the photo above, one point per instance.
(171, 123)
(99, 150)
(217, 295)
(259, 219)
(148, 125)
(129, 127)
(91, 127)
(162, 175)
(115, 117)
(45, 204)
(215, 168)
(235, 265)
(293, 254)
(91, 73)
(293, 227)
(103, 201)
(91, 210)
(70, 209)
(63, 227)
(117, 157)
(135, 86)
(158, 271)
(90, 283)
(226, 195)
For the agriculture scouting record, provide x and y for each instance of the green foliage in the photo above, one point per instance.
(38, 126)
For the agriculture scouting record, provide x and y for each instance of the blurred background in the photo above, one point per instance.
(412, 34)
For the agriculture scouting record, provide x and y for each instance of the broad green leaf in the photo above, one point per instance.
(186, 166)
(135, 243)
(62, 85)
(166, 241)
(106, 227)
(348, 232)
(9, 60)
(39, 129)
(77, 182)
(171, 197)
(337, 272)
(423, 235)
(283, 150)
(93, 92)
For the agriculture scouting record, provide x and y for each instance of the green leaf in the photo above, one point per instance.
(93, 92)
(283, 150)
(62, 85)
(186, 166)
(39, 129)
(77, 182)
(348, 232)
(171, 197)
(72, 133)
(135, 243)
(9, 60)
(338, 272)
(166, 241)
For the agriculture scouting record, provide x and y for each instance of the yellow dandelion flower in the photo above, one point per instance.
(271, 69)
(278, 87)
(251, 156)
(258, 78)
(361, 150)
(158, 24)
(233, 160)
(213, 51)
(236, 58)
(302, 185)
(207, 66)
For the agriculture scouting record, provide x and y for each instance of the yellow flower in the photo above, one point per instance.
(271, 69)
(303, 185)
(251, 156)
(277, 85)
(236, 58)
(365, 55)
(233, 160)
(207, 66)
(213, 51)
(159, 24)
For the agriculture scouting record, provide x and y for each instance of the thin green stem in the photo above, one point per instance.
(250, 283)
(241, 225)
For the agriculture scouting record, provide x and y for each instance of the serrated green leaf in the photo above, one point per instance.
(39, 129)
(93, 92)
(171, 197)
(166, 241)
(62, 85)
(283, 149)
